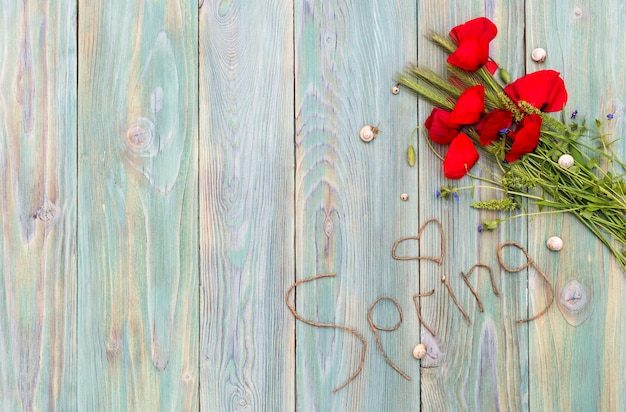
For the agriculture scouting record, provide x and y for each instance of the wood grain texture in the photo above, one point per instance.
(137, 194)
(484, 365)
(577, 352)
(169, 169)
(348, 207)
(246, 205)
(38, 191)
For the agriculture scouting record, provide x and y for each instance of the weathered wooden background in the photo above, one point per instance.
(169, 169)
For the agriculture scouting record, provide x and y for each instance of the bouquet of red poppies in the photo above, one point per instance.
(566, 167)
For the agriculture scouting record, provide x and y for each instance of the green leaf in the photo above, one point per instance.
(598, 123)
(592, 163)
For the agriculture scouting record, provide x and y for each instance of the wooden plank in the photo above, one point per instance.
(481, 366)
(348, 207)
(577, 352)
(246, 205)
(38, 186)
(137, 195)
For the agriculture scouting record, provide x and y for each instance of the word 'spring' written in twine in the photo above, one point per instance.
(292, 309)
(375, 328)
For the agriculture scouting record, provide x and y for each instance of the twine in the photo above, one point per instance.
(376, 328)
(469, 285)
(439, 260)
(419, 312)
(530, 262)
(456, 302)
(292, 309)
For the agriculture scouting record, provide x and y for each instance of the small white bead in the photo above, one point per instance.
(555, 243)
(368, 133)
(419, 351)
(404, 196)
(395, 89)
(566, 161)
(539, 55)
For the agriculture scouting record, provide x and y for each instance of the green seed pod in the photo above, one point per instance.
(505, 76)
(410, 155)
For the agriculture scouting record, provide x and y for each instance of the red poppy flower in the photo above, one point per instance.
(473, 40)
(461, 156)
(543, 89)
(479, 27)
(469, 106)
(490, 125)
(525, 138)
(440, 129)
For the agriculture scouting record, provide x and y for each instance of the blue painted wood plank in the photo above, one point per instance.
(482, 365)
(137, 194)
(38, 188)
(246, 205)
(577, 352)
(348, 206)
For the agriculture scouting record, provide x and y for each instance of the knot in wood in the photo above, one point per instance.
(139, 135)
(578, 13)
(573, 295)
(241, 402)
(48, 212)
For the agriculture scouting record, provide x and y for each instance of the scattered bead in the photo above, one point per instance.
(438, 194)
(574, 114)
(566, 161)
(443, 278)
(555, 243)
(610, 116)
(368, 133)
(480, 228)
(404, 196)
(539, 55)
(419, 351)
(456, 196)
(395, 89)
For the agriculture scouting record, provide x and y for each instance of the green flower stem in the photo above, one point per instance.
(500, 189)
(434, 79)
(428, 93)
(533, 214)
(432, 149)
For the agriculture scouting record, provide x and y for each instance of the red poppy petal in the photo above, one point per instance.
(543, 89)
(526, 138)
(491, 67)
(440, 129)
(469, 106)
(461, 156)
(481, 27)
(471, 54)
(490, 125)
